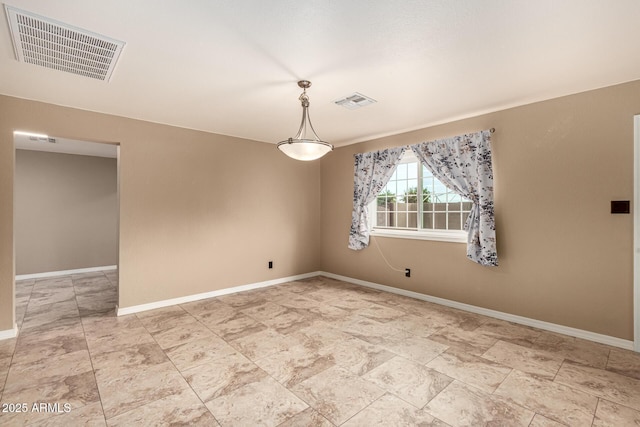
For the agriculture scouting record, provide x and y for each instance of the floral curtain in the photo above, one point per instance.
(372, 172)
(463, 163)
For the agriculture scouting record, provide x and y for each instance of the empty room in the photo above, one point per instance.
(318, 213)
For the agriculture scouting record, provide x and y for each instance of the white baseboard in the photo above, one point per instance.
(65, 272)
(196, 297)
(552, 327)
(9, 333)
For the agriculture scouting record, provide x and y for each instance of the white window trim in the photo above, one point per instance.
(452, 236)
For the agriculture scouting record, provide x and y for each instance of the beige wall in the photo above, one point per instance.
(181, 231)
(188, 205)
(66, 211)
(563, 257)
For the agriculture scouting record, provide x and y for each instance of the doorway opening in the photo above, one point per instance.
(66, 226)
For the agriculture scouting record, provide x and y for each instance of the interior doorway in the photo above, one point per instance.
(66, 221)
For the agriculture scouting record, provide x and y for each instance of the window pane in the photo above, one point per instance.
(439, 187)
(426, 196)
(401, 171)
(454, 221)
(427, 183)
(402, 219)
(427, 220)
(438, 197)
(453, 197)
(454, 207)
(398, 205)
(401, 187)
(413, 219)
(391, 187)
(412, 170)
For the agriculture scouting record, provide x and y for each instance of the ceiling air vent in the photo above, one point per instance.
(356, 100)
(41, 41)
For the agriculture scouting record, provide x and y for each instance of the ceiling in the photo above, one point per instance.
(231, 67)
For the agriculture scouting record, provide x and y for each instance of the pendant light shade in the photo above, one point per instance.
(306, 145)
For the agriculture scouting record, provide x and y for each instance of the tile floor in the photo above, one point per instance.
(316, 352)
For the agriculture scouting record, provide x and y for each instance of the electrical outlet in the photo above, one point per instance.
(270, 264)
(407, 272)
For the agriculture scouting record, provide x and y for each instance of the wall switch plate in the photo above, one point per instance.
(270, 264)
(620, 207)
(407, 272)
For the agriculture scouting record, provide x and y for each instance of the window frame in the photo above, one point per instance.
(439, 235)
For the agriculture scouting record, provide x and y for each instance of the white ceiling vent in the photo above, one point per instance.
(356, 100)
(41, 41)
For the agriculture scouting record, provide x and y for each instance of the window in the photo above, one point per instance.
(415, 204)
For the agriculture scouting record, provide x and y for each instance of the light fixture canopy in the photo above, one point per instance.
(306, 145)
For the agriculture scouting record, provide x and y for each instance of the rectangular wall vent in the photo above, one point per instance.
(41, 41)
(356, 100)
(42, 139)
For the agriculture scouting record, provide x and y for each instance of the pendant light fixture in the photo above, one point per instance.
(306, 145)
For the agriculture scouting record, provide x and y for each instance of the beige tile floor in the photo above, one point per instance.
(316, 352)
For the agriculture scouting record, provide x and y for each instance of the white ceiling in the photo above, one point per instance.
(231, 67)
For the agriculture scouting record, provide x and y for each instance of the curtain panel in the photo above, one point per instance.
(372, 172)
(463, 163)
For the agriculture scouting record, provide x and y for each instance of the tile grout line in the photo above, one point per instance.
(301, 398)
(558, 371)
(93, 369)
(164, 351)
(354, 415)
(596, 410)
(250, 360)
